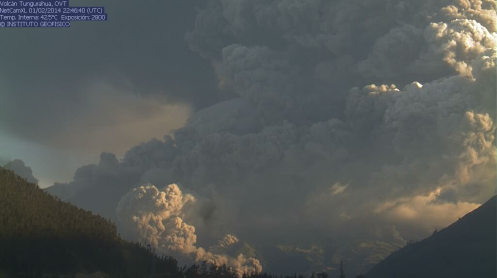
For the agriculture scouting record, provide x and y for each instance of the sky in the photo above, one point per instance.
(297, 134)
(94, 81)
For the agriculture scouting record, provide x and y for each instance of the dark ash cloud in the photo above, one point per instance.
(48, 93)
(18, 167)
(348, 114)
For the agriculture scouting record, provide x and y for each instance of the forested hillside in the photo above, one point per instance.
(43, 236)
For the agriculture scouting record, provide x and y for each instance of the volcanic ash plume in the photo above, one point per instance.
(149, 214)
(350, 117)
(18, 167)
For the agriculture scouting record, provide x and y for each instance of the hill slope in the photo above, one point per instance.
(467, 248)
(40, 235)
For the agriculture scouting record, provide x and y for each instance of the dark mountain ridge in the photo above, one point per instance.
(467, 248)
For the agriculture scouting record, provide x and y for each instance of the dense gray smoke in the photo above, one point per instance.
(19, 167)
(356, 123)
(117, 69)
(156, 217)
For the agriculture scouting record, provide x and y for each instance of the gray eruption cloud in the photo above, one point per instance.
(19, 167)
(349, 114)
(156, 217)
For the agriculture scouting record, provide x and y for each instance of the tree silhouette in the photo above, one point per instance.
(342, 272)
(322, 275)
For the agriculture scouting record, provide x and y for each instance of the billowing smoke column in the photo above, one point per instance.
(18, 167)
(156, 217)
(350, 114)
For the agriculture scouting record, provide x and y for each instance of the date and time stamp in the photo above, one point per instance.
(46, 13)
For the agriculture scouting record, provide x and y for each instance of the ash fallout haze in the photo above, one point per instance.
(283, 136)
